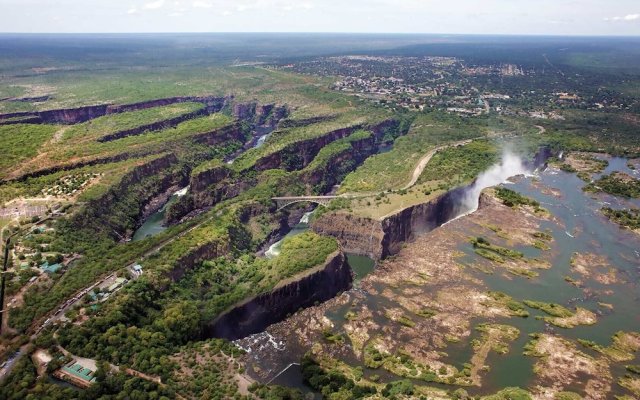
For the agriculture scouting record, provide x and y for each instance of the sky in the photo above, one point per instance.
(528, 17)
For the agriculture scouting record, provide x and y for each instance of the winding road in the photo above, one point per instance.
(422, 164)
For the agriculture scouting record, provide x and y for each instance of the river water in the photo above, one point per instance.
(578, 227)
(360, 265)
(154, 224)
(301, 227)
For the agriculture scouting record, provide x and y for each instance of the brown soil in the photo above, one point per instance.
(418, 302)
(585, 162)
(562, 365)
(595, 267)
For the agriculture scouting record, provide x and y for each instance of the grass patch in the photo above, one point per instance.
(426, 313)
(515, 308)
(512, 198)
(629, 218)
(617, 184)
(393, 169)
(482, 243)
(555, 310)
(21, 142)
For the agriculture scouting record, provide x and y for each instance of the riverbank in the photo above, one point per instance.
(420, 315)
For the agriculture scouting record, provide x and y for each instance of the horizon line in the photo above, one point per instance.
(575, 35)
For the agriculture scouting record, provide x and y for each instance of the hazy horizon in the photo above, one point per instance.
(465, 17)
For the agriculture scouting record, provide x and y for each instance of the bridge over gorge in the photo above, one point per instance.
(283, 202)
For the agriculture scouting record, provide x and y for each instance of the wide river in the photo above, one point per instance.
(579, 227)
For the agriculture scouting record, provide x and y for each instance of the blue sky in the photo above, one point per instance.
(561, 17)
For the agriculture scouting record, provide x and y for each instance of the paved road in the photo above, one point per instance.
(422, 164)
(11, 362)
(72, 301)
(59, 312)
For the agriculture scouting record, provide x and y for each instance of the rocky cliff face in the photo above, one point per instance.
(299, 154)
(541, 157)
(202, 180)
(69, 167)
(260, 114)
(120, 210)
(82, 114)
(339, 165)
(357, 235)
(294, 123)
(380, 239)
(222, 135)
(254, 315)
(167, 123)
(419, 219)
(208, 251)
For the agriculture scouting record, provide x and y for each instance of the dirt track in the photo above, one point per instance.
(422, 164)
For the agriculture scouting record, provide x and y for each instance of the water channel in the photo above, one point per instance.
(579, 227)
(154, 224)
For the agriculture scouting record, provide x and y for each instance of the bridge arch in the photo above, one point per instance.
(283, 202)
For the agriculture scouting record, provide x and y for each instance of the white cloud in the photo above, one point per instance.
(154, 5)
(132, 10)
(297, 6)
(628, 17)
(202, 4)
(175, 14)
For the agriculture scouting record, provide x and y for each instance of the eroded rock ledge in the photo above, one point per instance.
(253, 315)
(380, 239)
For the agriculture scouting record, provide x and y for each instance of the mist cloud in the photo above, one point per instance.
(510, 165)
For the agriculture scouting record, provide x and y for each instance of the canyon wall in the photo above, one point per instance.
(301, 291)
(222, 183)
(208, 251)
(86, 113)
(357, 235)
(339, 165)
(215, 137)
(380, 239)
(164, 124)
(298, 155)
(119, 211)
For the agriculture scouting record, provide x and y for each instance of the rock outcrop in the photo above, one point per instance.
(120, 210)
(301, 291)
(380, 239)
(357, 235)
(223, 183)
(86, 113)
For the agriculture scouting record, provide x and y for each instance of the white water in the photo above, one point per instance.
(305, 218)
(181, 192)
(303, 225)
(510, 165)
(261, 140)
